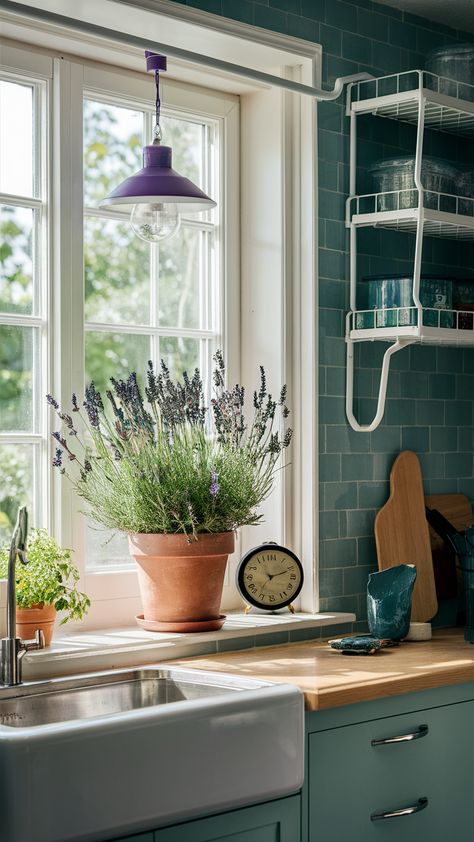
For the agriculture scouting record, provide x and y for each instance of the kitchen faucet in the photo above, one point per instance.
(13, 648)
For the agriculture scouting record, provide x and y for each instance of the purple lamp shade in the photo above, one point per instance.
(158, 182)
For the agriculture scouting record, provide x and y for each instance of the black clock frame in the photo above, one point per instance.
(240, 576)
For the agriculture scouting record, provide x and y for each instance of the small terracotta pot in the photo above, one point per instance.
(37, 617)
(180, 582)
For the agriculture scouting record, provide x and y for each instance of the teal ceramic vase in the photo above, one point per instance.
(389, 595)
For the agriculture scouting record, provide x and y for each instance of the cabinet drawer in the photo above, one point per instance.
(350, 778)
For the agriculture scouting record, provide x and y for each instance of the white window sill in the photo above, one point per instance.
(123, 647)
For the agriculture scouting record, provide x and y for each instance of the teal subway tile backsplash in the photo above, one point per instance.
(332, 39)
(459, 413)
(357, 466)
(416, 438)
(371, 493)
(335, 379)
(340, 495)
(458, 465)
(356, 578)
(341, 15)
(444, 438)
(430, 390)
(340, 438)
(442, 386)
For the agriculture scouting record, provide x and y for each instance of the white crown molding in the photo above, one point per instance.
(229, 26)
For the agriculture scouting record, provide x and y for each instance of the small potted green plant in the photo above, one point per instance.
(44, 586)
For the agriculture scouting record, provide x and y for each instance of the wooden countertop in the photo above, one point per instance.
(329, 679)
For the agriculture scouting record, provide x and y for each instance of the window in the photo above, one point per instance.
(265, 238)
(146, 301)
(23, 299)
(117, 301)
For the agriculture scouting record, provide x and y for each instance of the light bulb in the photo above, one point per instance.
(155, 222)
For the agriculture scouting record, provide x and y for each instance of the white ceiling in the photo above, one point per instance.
(456, 13)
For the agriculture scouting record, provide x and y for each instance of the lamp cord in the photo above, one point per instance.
(157, 133)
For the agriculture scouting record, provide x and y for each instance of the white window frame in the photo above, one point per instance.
(114, 593)
(19, 65)
(289, 348)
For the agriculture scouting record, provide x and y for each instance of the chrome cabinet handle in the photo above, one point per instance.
(420, 805)
(403, 738)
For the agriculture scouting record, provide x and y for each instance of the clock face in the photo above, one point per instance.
(270, 577)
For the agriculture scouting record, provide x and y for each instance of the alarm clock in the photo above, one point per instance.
(270, 577)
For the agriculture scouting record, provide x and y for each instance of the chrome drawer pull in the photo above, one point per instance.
(403, 738)
(420, 805)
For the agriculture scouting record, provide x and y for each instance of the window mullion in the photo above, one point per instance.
(67, 287)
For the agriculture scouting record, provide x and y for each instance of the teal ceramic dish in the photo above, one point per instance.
(389, 594)
(386, 292)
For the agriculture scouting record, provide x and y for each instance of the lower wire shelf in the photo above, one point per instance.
(436, 326)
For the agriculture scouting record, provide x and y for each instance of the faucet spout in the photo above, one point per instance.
(12, 648)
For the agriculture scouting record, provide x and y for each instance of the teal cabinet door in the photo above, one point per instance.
(357, 771)
(275, 821)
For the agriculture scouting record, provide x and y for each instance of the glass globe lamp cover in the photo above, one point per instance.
(155, 221)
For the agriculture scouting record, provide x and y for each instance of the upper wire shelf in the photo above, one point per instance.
(449, 104)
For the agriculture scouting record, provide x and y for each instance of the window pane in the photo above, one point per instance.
(117, 273)
(106, 549)
(16, 259)
(113, 141)
(16, 138)
(115, 355)
(186, 141)
(179, 290)
(16, 378)
(180, 355)
(16, 485)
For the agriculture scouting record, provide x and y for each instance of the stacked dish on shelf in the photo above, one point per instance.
(390, 302)
(444, 184)
(454, 65)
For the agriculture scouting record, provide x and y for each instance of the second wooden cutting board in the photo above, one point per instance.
(402, 534)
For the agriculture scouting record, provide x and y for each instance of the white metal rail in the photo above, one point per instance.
(319, 94)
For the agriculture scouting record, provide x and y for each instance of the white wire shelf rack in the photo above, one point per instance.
(438, 326)
(449, 105)
(444, 215)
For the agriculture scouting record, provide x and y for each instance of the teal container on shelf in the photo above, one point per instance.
(391, 297)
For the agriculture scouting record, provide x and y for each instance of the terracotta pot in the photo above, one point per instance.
(37, 617)
(181, 583)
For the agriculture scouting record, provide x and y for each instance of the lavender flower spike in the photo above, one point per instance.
(57, 461)
(52, 402)
(214, 489)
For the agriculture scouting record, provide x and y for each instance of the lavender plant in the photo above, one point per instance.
(163, 462)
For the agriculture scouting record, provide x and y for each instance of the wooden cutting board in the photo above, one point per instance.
(457, 509)
(402, 535)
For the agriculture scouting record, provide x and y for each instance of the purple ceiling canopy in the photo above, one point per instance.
(157, 182)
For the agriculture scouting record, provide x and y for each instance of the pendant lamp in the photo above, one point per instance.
(156, 195)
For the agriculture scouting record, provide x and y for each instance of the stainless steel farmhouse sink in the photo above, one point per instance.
(101, 755)
(98, 695)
